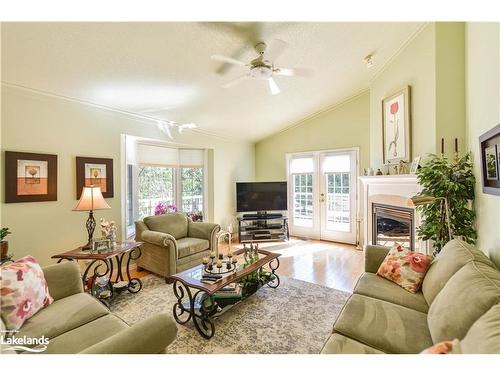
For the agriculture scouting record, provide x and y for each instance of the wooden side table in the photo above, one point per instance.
(106, 260)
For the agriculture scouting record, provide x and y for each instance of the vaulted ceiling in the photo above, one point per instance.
(164, 70)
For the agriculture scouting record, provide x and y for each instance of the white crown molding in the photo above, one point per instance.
(391, 59)
(107, 108)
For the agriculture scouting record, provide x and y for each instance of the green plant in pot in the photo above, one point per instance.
(4, 245)
(452, 182)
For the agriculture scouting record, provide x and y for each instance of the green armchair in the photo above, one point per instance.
(173, 243)
(76, 322)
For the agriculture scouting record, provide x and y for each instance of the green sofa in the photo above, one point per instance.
(173, 242)
(459, 299)
(76, 322)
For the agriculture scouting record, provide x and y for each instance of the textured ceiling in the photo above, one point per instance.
(164, 70)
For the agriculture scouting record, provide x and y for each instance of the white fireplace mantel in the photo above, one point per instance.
(392, 190)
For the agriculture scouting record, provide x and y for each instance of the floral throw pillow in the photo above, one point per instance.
(405, 267)
(24, 291)
(443, 347)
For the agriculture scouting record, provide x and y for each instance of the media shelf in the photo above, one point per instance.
(262, 228)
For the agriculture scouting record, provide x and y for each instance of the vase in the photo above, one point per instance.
(4, 245)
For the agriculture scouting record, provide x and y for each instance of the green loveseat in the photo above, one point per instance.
(173, 242)
(76, 322)
(459, 299)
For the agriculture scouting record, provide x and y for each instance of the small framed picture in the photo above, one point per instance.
(101, 244)
(30, 177)
(414, 165)
(489, 145)
(95, 172)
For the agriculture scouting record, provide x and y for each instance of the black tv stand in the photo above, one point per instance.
(262, 227)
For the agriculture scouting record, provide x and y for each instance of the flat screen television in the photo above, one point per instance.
(261, 196)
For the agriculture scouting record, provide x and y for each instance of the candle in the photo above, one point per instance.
(230, 255)
(442, 145)
(221, 256)
(205, 260)
(456, 144)
(212, 254)
(235, 260)
(219, 264)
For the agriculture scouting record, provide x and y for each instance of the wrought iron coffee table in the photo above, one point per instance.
(192, 294)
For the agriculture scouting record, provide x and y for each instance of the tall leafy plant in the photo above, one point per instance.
(453, 180)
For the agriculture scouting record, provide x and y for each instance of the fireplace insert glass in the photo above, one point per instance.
(391, 224)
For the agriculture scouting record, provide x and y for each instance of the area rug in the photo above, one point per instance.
(295, 318)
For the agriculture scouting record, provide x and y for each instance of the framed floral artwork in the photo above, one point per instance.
(95, 172)
(396, 129)
(30, 177)
(489, 146)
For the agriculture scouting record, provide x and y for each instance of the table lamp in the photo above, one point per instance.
(427, 199)
(90, 200)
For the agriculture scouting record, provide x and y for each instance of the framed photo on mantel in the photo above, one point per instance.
(30, 177)
(96, 172)
(396, 127)
(489, 147)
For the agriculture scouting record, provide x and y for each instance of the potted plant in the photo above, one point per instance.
(4, 245)
(453, 180)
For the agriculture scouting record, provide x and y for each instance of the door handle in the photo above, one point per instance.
(322, 197)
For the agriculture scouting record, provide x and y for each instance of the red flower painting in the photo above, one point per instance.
(394, 108)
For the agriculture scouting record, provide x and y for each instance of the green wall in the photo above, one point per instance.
(345, 125)
(483, 113)
(414, 65)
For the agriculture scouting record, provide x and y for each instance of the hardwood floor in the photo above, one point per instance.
(325, 263)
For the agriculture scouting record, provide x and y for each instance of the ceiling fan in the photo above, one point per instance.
(262, 67)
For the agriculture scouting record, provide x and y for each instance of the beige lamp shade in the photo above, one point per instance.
(91, 199)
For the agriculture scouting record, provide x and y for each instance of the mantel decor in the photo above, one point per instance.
(396, 129)
(30, 177)
(489, 146)
(95, 172)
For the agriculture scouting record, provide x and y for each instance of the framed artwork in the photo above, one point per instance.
(489, 146)
(30, 177)
(414, 165)
(396, 129)
(96, 172)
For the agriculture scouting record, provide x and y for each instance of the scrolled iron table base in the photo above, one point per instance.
(201, 306)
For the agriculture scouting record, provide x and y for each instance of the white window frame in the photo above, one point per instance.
(128, 231)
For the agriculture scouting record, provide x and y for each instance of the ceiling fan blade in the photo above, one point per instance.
(290, 72)
(228, 59)
(273, 86)
(275, 49)
(235, 81)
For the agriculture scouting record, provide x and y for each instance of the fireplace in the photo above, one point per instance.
(391, 224)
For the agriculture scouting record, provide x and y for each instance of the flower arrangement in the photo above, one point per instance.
(164, 208)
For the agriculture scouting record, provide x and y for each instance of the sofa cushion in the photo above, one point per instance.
(483, 336)
(175, 224)
(452, 257)
(63, 315)
(82, 337)
(190, 245)
(339, 344)
(383, 325)
(469, 293)
(375, 286)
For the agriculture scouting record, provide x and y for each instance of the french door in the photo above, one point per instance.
(322, 191)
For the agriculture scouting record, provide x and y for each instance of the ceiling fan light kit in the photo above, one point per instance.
(262, 67)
